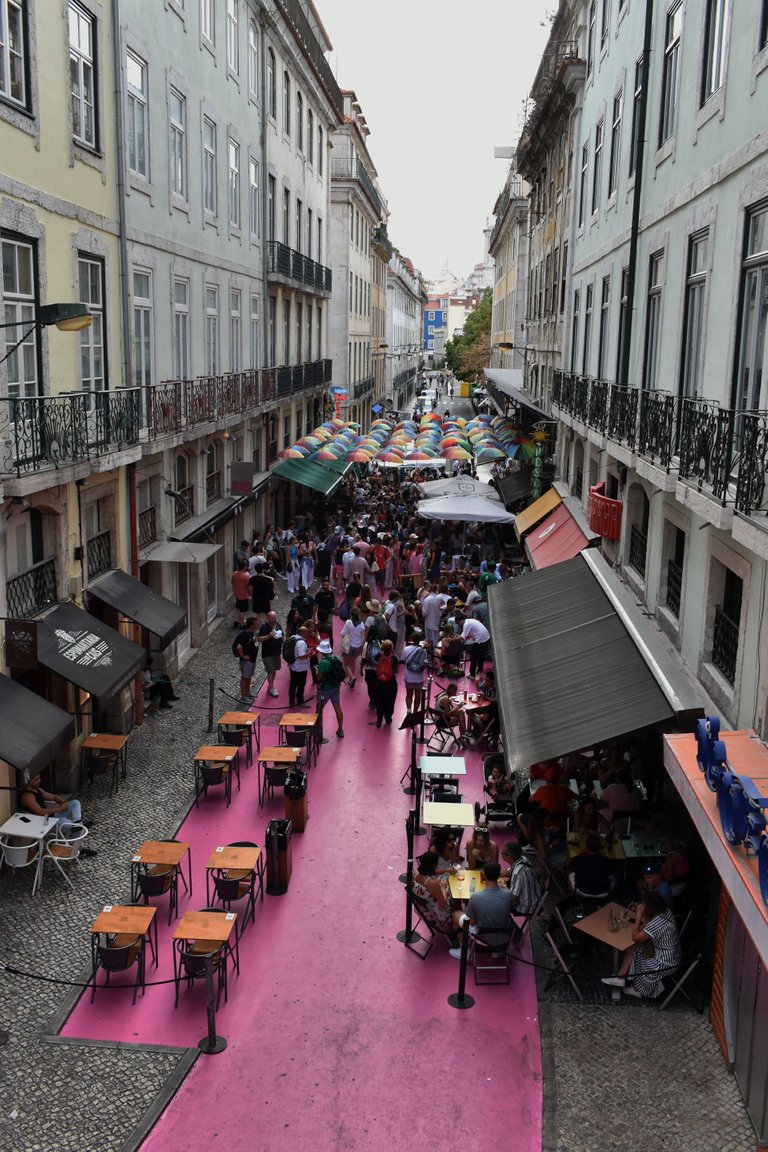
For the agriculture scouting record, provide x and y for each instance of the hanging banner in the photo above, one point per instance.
(21, 643)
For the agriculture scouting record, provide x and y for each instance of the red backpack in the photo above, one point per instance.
(385, 669)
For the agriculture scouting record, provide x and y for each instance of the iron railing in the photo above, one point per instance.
(674, 587)
(184, 504)
(706, 446)
(621, 424)
(298, 268)
(212, 487)
(98, 551)
(638, 550)
(313, 50)
(351, 168)
(31, 591)
(147, 526)
(657, 418)
(725, 645)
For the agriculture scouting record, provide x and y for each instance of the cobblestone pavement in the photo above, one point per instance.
(620, 1076)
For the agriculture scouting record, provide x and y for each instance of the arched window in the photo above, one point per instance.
(271, 85)
(286, 104)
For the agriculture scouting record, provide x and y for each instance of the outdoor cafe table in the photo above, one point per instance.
(234, 857)
(442, 766)
(282, 755)
(461, 889)
(207, 928)
(106, 742)
(304, 722)
(124, 920)
(597, 926)
(577, 842)
(235, 720)
(33, 828)
(164, 852)
(224, 754)
(438, 813)
(639, 846)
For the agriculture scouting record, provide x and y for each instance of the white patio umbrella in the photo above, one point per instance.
(456, 486)
(468, 509)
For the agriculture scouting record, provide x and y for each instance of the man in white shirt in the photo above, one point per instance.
(432, 607)
(476, 639)
(298, 671)
(346, 560)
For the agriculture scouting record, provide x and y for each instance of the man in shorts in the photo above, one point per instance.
(328, 691)
(241, 590)
(245, 647)
(270, 636)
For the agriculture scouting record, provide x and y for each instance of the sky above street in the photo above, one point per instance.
(441, 83)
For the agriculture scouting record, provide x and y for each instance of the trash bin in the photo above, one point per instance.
(278, 845)
(296, 809)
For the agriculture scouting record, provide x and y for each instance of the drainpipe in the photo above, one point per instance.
(120, 181)
(264, 317)
(134, 541)
(637, 194)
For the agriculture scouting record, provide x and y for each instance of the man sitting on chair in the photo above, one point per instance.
(35, 799)
(524, 886)
(489, 911)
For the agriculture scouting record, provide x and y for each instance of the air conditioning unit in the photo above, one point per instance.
(75, 586)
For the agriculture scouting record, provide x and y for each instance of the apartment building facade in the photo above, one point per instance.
(406, 297)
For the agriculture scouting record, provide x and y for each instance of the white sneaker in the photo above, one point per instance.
(455, 952)
(273, 692)
(630, 990)
(614, 981)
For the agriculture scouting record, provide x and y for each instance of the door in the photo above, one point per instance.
(745, 1004)
(184, 639)
(212, 587)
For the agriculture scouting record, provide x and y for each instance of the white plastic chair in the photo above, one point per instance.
(63, 849)
(19, 855)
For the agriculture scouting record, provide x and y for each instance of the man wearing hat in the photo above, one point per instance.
(328, 691)
(653, 881)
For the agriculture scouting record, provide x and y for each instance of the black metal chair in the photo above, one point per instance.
(274, 777)
(152, 880)
(300, 739)
(98, 762)
(566, 952)
(236, 737)
(260, 866)
(191, 963)
(490, 952)
(119, 954)
(443, 735)
(211, 775)
(231, 888)
(423, 920)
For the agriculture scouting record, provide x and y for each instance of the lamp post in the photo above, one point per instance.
(65, 317)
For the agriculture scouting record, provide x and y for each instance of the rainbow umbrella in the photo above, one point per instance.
(457, 454)
(485, 455)
(359, 456)
(291, 454)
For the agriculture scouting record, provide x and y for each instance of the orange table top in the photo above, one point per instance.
(160, 852)
(597, 925)
(577, 842)
(279, 755)
(121, 918)
(215, 927)
(242, 718)
(106, 741)
(230, 856)
(460, 883)
(298, 720)
(216, 753)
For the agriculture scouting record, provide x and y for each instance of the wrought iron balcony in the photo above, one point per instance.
(283, 382)
(597, 405)
(98, 551)
(147, 526)
(287, 264)
(31, 591)
(674, 587)
(174, 405)
(212, 488)
(362, 388)
(622, 414)
(350, 168)
(657, 420)
(638, 550)
(725, 645)
(706, 445)
(313, 50)
(184, 505)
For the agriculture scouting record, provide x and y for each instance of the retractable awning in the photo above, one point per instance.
(178, 552)
(510, 382)
(556, 538)
(214, 518)
(32, 730)
(514, 487)
(86, 652)
(153, 611)
(536, 511)
(577, 662)
(310, 473)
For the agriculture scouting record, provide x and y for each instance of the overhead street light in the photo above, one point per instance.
(65, 317)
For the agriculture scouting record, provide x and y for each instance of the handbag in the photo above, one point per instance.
(346, 644)
(374, 567)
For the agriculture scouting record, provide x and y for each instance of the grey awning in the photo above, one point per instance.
(214, 518)
(577, 662)
(510, 382)
(176, 552)
(514, 487)
(134, 600)
(83, 650)
(32, 730)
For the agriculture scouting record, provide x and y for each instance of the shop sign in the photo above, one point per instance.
(84, 648)
(740, 803)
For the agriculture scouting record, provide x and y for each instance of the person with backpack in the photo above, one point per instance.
(270, 636)
(330, 677)
(296, 656)
(415, 662)
(386, 683)
(245, 648)
(371, 654)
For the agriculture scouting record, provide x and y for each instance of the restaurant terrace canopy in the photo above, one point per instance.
(83, 650)
(577, 663)
(32, 730)
(134, 600)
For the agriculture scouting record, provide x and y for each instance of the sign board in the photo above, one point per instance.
(241, 483)
(21, 643)
(337, 390)
(376, 409)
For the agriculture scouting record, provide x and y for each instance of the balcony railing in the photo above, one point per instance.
(175, 405)
(350, 168)
(184, 504)
(674, 587)
(212, 487)
(147, 526)
(313, 51)
(706, 439)
(299, 269)
(31, 591)
(98, 551)
(657, 418)
(638, 550)
(725, 645)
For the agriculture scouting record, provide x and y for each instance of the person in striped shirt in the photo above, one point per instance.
(656, 953)
(522, 879)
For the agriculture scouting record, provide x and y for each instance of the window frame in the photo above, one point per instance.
(20, 308)
(235, 330)
(715, 52)
(613, 163)
(143, 306)
(233, 36)
(637, 99)
(670, 73)
(271, 86)
(694, 316)
(137, 98)
(653, 320)
(253, 60)
(20, 8)
(84, 61)
(181, 346)
(233, 183)
(254, 213)
(597, 167)
(210, 168)
(299, 121)
(754, 268)
(95, 336)
(287, 103)
(212, 334)
(178, 146)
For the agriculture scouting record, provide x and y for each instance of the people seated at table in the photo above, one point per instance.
(556, 799)
(158, 684)
(445, 844)
(480, 849)
(449, 652)
(609, 765)
(522, 879)
(652, 880)
(452, 708)
(498, 785)
(431, 886)
(38, 801)
(586, 818)
(675, 867)
(620, 799)
(592, 874)
(656, 953)
(489, 908)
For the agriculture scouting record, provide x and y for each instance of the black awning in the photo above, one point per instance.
(92, 655)
(129, 596)
(32, 730)
(577, 662)
(514, 487)
(214, 518)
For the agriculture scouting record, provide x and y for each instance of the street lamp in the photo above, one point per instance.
(65, 317)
